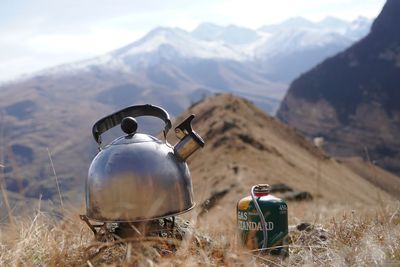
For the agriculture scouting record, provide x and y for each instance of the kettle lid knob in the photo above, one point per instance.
(129, 125)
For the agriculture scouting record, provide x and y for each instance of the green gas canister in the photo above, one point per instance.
(263, 221)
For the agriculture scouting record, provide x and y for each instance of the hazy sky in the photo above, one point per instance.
(35, 34)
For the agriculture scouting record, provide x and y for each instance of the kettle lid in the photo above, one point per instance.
(134, 138)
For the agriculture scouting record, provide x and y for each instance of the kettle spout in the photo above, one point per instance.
(190, 141)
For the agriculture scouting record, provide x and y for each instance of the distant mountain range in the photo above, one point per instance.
(279, 43)
(55, 108)
(353, 99)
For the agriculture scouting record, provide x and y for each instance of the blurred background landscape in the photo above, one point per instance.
(300, 93)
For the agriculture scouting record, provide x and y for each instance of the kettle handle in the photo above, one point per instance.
(114, 119)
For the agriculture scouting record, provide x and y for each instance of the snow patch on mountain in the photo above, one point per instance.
(230, 34)
(182, 43)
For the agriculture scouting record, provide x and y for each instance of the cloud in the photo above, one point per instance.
(93, 43)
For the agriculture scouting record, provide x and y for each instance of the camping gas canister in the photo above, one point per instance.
(263, 221)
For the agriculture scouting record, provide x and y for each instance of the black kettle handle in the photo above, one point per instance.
(114, 119)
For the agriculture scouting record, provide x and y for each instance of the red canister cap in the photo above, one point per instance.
(261, 190)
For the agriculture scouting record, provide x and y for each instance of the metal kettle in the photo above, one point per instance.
(138, 177)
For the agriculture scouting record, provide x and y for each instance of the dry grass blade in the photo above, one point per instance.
(7, 203)
(4, 193)
(55, 175)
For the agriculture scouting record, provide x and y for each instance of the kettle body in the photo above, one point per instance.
(138, 177)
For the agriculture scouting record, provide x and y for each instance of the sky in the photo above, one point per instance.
(36, 34)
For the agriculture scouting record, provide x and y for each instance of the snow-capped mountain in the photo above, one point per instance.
(299, 34)
(170, 43)
(158, 46)
(275, 49)
(296, 45)
(328, 24)
(230, 34)
(292, 40)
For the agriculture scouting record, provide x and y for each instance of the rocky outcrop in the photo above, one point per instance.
(353, 98)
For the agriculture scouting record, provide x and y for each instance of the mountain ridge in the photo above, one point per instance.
(358, 113)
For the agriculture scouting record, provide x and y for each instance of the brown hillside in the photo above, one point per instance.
(244, 146)
(353, 98)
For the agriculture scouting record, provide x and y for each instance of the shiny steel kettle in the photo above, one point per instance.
(138, 177)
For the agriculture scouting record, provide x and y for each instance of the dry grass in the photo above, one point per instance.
(368, 239)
